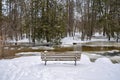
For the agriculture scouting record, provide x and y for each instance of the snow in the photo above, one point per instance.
(67, 41)
(24, 40)
(115, 59)
(32, 68)
(28, 53)
(103, 61)
(98, 34)
(112, 51)
(43, 47)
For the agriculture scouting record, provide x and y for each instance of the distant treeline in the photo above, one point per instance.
(52, 20)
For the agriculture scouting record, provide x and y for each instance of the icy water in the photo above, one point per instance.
(101, 49)
(103, 43)
(101, 46)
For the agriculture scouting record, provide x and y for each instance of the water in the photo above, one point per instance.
(103, 43)
(101, 46)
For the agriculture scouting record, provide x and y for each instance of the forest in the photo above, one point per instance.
(52, 20)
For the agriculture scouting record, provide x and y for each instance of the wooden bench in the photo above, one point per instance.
(57, 56)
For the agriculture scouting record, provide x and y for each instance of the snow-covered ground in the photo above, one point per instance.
(32, 68)
(97, 39)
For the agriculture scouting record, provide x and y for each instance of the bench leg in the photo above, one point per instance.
(45, 63)
(75, 63)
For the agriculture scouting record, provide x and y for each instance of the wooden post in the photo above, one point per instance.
(45, 57)
(77, 47)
